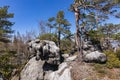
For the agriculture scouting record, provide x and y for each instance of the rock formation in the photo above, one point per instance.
(95, 57)
(40, 70)
(44, 67)
(44, 50)
(33, 70)
(91, 53)
(63, 73)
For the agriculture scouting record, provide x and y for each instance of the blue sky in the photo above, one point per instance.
(28, 13)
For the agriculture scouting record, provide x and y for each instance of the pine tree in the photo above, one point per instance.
(84, 8)
(60, 24)
(5, 24)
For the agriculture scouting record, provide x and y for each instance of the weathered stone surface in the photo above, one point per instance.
(63, 73)
(45, 61)
(33, 70)
(91, 53)
(71, 58)
(46, 68)
(95, 57)
(44, 49)
(40, 70)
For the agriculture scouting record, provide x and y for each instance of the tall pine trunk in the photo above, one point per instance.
(59, 35)
(78, 39)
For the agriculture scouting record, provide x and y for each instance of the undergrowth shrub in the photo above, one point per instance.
(48, 36)
(6, 66)
(66, 46)
(113, 61)
(118, 53)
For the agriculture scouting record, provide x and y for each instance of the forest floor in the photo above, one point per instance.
(92, 71)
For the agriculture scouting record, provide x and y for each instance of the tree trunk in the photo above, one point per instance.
(50, 34)
(59, 35)
(78, 36)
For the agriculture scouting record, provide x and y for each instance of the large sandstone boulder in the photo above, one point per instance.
(63, 73)
(91, 53)
(33, 70)
(39, 70)
(95, 56)
(44, 50)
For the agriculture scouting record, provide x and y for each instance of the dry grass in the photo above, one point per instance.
(82, 71)
(86, 71)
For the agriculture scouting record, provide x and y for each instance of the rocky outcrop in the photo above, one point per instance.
(40, 70)
(33, 70)
(95, 57)
(91, 53)
(63, 73)
(43, 66)
(44, 50)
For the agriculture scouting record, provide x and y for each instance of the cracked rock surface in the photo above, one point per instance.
(40, 70)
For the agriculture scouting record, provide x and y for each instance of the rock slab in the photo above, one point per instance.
(32, 70)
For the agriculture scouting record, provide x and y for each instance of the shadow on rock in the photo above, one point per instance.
(50, 67)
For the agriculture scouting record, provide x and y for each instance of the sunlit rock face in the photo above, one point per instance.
(63, 73)
(45, 60)
(40, 70)
(95, 56)
(91, 53)
(44, 65)
(44, 50)
(33, 70)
